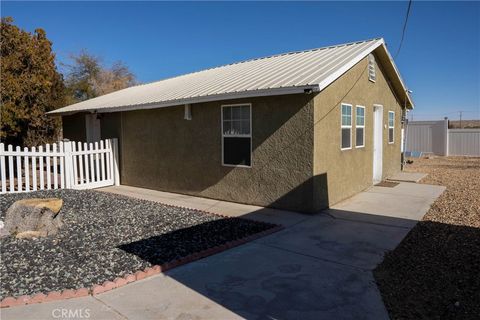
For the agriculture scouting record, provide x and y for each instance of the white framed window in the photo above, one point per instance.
(237, 135)
(346, 124)
(391, 126)
(360, 127)
(372, 76)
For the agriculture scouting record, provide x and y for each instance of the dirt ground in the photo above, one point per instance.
(435, 272)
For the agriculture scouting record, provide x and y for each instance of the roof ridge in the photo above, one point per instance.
(261, 58)
(302, 51)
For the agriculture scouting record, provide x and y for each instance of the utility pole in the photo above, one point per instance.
(460, 119)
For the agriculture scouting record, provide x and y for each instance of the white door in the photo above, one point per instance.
(92, 123)
(377, 142)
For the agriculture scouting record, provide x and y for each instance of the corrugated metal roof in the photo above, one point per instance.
(285, 73)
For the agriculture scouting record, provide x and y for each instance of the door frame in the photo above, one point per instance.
(377, 143)
(92, 127)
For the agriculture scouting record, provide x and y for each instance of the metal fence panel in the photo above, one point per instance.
(427, 137)
(464, 142)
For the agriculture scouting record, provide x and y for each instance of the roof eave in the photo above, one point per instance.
(218, 97)
(407, 99)
(380, 43)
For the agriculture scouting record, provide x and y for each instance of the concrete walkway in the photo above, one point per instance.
(319, 267)
(408, 176)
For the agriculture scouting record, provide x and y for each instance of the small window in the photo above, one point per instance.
(371, 68)
(236, 135)
(391, 126)
(360, 126)
(346, 126)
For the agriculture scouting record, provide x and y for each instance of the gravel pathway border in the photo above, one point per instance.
(142, 273)
(132, 277)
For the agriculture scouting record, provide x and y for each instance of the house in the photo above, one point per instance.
(298, 131)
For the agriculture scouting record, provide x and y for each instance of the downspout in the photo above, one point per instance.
(405, 130)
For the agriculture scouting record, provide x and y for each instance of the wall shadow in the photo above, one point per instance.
(307, 197)
(261, 282)
(180, 243)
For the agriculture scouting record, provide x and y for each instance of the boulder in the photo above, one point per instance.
(30, 234)
(32, 218)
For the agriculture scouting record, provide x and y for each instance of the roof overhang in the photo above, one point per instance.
(394, 77)
(217, 97)
(386, 60)
(191, 88)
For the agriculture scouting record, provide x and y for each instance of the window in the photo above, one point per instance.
(360, 127)
(391, 126)
(346, 126)
(236, 135)
(371, 68)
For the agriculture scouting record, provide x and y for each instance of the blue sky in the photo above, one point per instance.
(439, 60)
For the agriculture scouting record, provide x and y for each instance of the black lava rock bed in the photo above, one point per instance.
(107, 236)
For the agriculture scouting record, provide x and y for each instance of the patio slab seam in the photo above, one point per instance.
(93, 290)
(402, 194)
(314, 257)
(374, 223)
(110, 307)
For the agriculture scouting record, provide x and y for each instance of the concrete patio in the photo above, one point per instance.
(318, 267)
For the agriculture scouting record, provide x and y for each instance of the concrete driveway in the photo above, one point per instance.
(318, 267)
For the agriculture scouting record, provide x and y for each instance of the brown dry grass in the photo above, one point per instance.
(435, 272)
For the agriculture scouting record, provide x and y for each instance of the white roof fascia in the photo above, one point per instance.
(405, 89)
(334, 76)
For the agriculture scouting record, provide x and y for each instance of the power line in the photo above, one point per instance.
(404, 27)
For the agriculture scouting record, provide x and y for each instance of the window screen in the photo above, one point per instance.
(236, 135)
(346, 142)
(360, 126)
(391, 126)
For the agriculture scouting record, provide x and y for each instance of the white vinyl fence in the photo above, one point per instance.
(69, 165)
(464, 142)
(435, 137)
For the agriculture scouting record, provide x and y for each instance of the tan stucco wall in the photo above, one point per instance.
(162, 151)
(350, 171)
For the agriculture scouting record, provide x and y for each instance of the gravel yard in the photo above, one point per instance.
(435, 272)
(107, 236)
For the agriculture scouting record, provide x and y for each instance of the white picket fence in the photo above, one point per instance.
(69, 165)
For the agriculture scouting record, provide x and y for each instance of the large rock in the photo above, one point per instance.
(31, 218)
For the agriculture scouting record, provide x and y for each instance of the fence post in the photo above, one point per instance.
(116, 170)
(68, 164)
(2, 169)
(447, 145)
